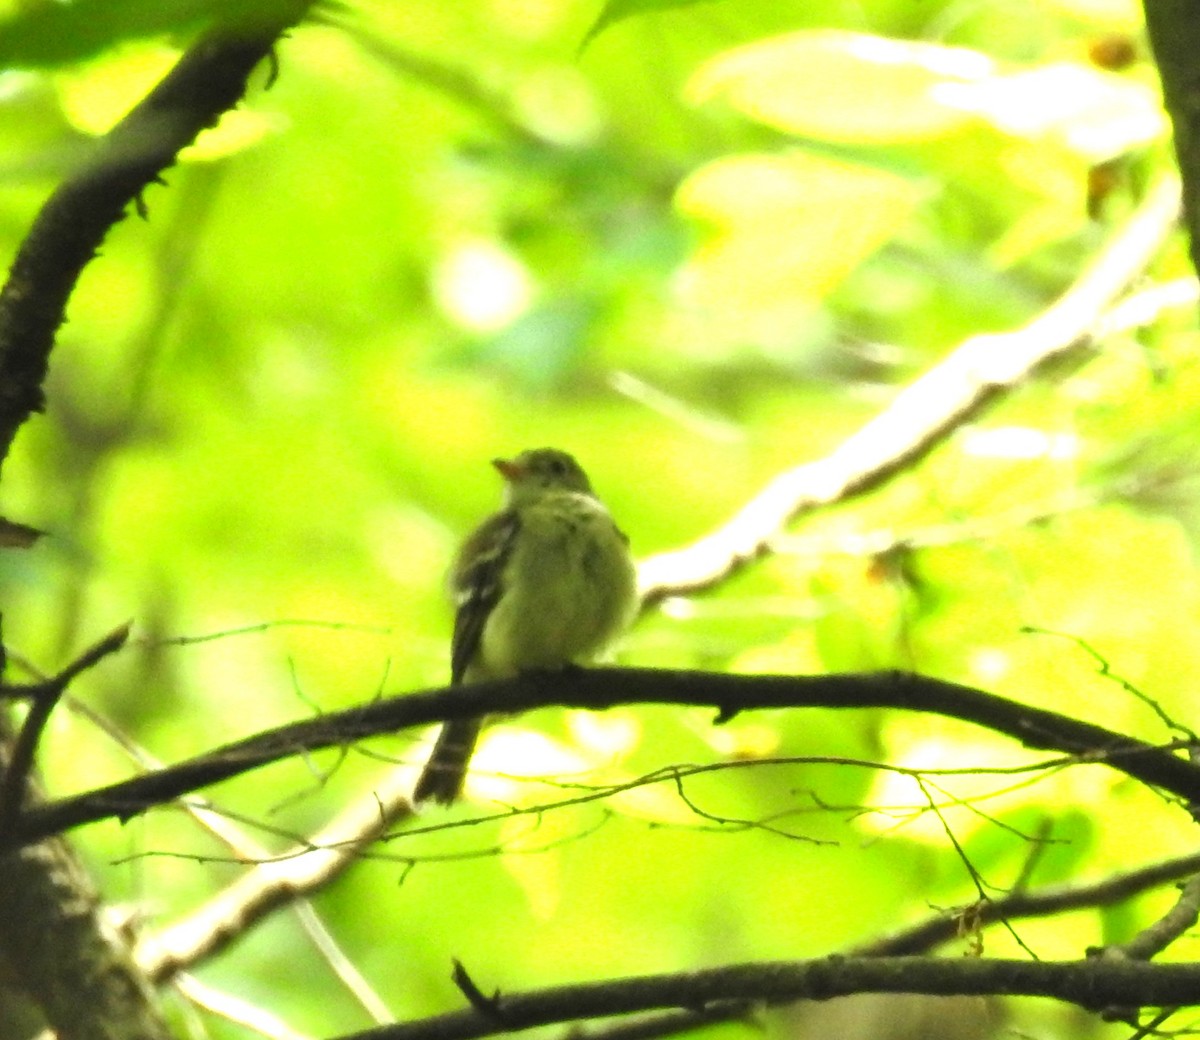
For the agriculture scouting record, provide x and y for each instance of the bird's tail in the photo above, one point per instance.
(442, 778)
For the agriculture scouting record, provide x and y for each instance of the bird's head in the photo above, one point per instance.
(539, 470)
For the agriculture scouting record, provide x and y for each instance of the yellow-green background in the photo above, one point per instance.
(700, 249)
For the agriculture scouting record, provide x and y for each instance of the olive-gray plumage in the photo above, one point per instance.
(546, 582)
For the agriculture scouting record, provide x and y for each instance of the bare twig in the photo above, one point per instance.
(249, 851)
(1042, 902)
(44, 696)
(236, 839)
(599, 688)
(924, 413)
(1153, 940)
(83, 982)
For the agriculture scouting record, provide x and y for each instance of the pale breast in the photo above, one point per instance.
(570, 588)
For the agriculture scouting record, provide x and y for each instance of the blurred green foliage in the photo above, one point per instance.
(701, 248)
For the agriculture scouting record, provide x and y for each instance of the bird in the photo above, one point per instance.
(544, 583)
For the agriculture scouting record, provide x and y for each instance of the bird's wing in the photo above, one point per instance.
(476, 584)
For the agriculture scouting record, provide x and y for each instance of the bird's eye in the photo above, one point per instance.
(558, 467)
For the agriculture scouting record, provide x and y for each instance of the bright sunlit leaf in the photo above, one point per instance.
(1095, 113)
(785, 229)
(1124, 14)
(842, 86)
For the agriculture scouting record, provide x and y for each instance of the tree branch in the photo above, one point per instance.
(208, 80)
(1089, 983)
(1176, 922)
(600, 688)
(1043, 902)
(267, 886)
(44, 696)
(79, 975)
(924, 413)
(1174, 32)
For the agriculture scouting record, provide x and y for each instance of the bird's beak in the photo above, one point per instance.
(508, 468)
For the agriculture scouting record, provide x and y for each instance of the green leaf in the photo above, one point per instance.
(766, 215)
(885, 88)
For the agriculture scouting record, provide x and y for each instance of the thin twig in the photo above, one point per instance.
(1043, 902)
(43, 698)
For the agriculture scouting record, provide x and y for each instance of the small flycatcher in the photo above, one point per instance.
(546, 582)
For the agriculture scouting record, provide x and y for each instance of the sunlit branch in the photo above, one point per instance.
(220, 918)
(236, 1010)
(1146, 306)
(925, 412)
(163, 964)
(1087, 983)
(81, 980)
(268, 886)
(601, 688)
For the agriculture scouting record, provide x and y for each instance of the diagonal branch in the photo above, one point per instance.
(1176, 922)
(166, 955)
(600, 688)
(275, 883)
(924, 413)
(208, 80)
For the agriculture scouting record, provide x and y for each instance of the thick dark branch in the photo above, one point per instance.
(1090, 984)
(209, 79)
(659, 1024)
(1174, 30)
(599, 688)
